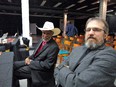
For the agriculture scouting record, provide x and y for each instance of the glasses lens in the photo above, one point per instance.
(93, 29)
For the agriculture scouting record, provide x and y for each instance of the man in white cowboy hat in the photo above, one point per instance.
(39, 67)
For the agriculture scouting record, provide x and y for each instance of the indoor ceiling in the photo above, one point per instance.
(76, 9)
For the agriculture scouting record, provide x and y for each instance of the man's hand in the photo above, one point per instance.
(27, 61)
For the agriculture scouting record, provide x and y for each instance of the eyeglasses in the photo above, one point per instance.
(94, 29)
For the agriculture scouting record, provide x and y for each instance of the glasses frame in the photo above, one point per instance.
(94, 29)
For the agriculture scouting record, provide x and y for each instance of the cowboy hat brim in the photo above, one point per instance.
(55, 30)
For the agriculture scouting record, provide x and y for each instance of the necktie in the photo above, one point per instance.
(40, 47)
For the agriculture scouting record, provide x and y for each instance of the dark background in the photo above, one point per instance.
(13, 24)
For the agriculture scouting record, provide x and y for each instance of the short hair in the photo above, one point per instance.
(106, 26)
(69, 22)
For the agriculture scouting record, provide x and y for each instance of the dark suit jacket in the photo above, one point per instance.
(42, 66)
(96, 69)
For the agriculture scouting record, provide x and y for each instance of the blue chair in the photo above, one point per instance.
(62, 55)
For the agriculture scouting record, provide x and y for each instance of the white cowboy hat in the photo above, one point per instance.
(50, 26)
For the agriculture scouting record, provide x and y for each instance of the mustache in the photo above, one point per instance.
(91, 38)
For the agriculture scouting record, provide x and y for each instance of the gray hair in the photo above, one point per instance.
(106, 26)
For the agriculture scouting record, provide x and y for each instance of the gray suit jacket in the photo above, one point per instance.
(96, 69)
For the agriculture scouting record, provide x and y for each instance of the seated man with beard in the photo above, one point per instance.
(39, 67)
(90, 65)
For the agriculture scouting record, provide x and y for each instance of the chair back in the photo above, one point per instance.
(25, 41)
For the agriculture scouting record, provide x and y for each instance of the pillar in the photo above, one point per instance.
(65, 23)
(25, 20)
(103, 9)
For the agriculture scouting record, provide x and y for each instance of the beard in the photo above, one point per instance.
(46, 39)
(92, 43)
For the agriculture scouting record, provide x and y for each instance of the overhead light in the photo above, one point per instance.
(92, 9)
(81, 7)
(111, 4)
(3, 10)
(70, 6)
(59, 3)
(95, 2)
(43, 3)
(80, 1)
(9, 0)
(109, 0)
(110, 11)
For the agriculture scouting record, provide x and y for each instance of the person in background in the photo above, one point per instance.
(90, 65)
(39, 67)
(71, 30)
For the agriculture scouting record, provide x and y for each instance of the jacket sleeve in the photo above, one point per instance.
(100, 73)
(57, 71)
(49, 62)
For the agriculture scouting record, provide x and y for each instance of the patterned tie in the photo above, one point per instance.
(40, 48)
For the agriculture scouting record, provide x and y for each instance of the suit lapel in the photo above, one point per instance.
(89, 55)
(86, 61)
(43, 49)
(39, 43)
(93, 52)
(77, 57)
